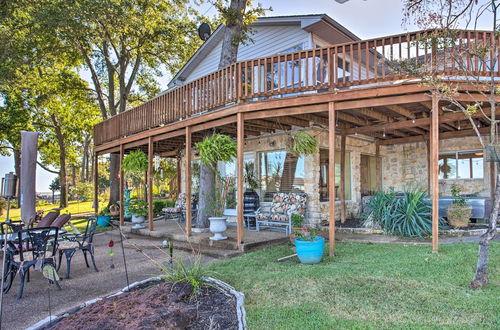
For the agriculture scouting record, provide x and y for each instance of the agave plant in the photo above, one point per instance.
(409, 214)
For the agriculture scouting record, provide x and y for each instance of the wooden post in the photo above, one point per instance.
(96, 184)
(188, 181)
(434, 168)
(240, 147)
(122, 186)
(429, 165)
(378, 167)
(178, 175)
(150, 183)
(331, 176)
(342, 179)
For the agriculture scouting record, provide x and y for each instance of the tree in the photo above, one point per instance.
(124, 45)
(54, 186)
(237, 17)
(448, 15)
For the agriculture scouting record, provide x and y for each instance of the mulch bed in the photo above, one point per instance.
(158, 306)
(349, 223)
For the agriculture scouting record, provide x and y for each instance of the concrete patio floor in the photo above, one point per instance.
(84, 284)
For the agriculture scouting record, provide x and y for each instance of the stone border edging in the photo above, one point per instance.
(240, 298)
(446, 233)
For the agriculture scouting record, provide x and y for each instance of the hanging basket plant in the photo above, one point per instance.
(216, 148)
(303, 143)
(136, 161)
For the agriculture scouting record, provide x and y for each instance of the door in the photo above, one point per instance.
(370, 175)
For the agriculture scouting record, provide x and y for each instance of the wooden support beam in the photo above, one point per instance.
(434, 169)
(442, 136)
(448, 117)
(240, 143)
(342, 178)
(269, 124)
(150, 184)
(352, 119)
(370, 113)
(331, 177)
(187, 181)
(96, 184)
(172, 153)
(122, 186)
(402, 111)
(378, 166)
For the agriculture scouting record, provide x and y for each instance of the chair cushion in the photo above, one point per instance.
(66, 245)
(28, 256)
(61, 220)
(171, 210)
(48, 219)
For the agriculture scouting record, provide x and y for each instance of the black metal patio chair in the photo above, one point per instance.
(74, 243)
(42, 243)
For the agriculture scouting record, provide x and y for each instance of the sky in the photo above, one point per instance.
(365, 18)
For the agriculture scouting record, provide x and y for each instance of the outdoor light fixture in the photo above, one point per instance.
(413, 121)
(458, 126)
(383, 135)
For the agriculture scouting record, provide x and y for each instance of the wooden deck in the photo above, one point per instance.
(322, 72)
(360, 87)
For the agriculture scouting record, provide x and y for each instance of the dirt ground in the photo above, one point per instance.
(84, 284)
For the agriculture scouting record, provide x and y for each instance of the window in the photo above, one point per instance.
(461, 165)
(280, 171)
(323, 177)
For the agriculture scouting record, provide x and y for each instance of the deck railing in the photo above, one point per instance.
(338, 66)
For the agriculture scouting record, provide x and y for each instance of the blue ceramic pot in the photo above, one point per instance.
(103, 220)
(310, 252)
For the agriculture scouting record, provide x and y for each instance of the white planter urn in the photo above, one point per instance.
(218, 226)
(137, 221)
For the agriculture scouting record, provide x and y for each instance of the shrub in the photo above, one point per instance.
(193, 274)
(82, 189)
(408, 214)
(158, 205)
(138, 207)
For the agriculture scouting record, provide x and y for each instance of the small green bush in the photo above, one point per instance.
(407, 214)
(158, 205)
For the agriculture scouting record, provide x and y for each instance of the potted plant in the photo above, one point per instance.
(104, 217)
(212, 150)
(308, 245)
(458, 213)
(139, 210)
(218, 201)
(297, 221)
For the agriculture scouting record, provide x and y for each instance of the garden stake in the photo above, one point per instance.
(124, 259)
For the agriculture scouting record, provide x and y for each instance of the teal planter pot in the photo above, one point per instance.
(103, 220)
(310, 252)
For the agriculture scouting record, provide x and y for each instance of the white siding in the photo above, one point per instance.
(267, 40)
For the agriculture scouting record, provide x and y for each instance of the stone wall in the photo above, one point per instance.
(403, 166)
(406, 165)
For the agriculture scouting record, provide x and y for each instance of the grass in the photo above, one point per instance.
(366, 287)
(74, 207)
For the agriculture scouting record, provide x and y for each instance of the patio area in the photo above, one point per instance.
(172, 230)
(84, 284)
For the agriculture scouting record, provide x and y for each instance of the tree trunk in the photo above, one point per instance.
(207, 186)
(229, 55)
(232, 32)
(114, 181)
(481, 277)
(63, 200)
(53, 201)
(85, 161)
(17, 169)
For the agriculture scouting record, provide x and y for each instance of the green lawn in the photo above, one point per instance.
(73, 208)
(366, 286)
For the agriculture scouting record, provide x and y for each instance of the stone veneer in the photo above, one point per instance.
(403, 165)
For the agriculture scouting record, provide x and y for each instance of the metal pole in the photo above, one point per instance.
(3, 261)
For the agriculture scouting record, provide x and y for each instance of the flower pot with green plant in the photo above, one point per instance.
(214, 149)
(139, 210)
(458, 213)
(308, 245)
